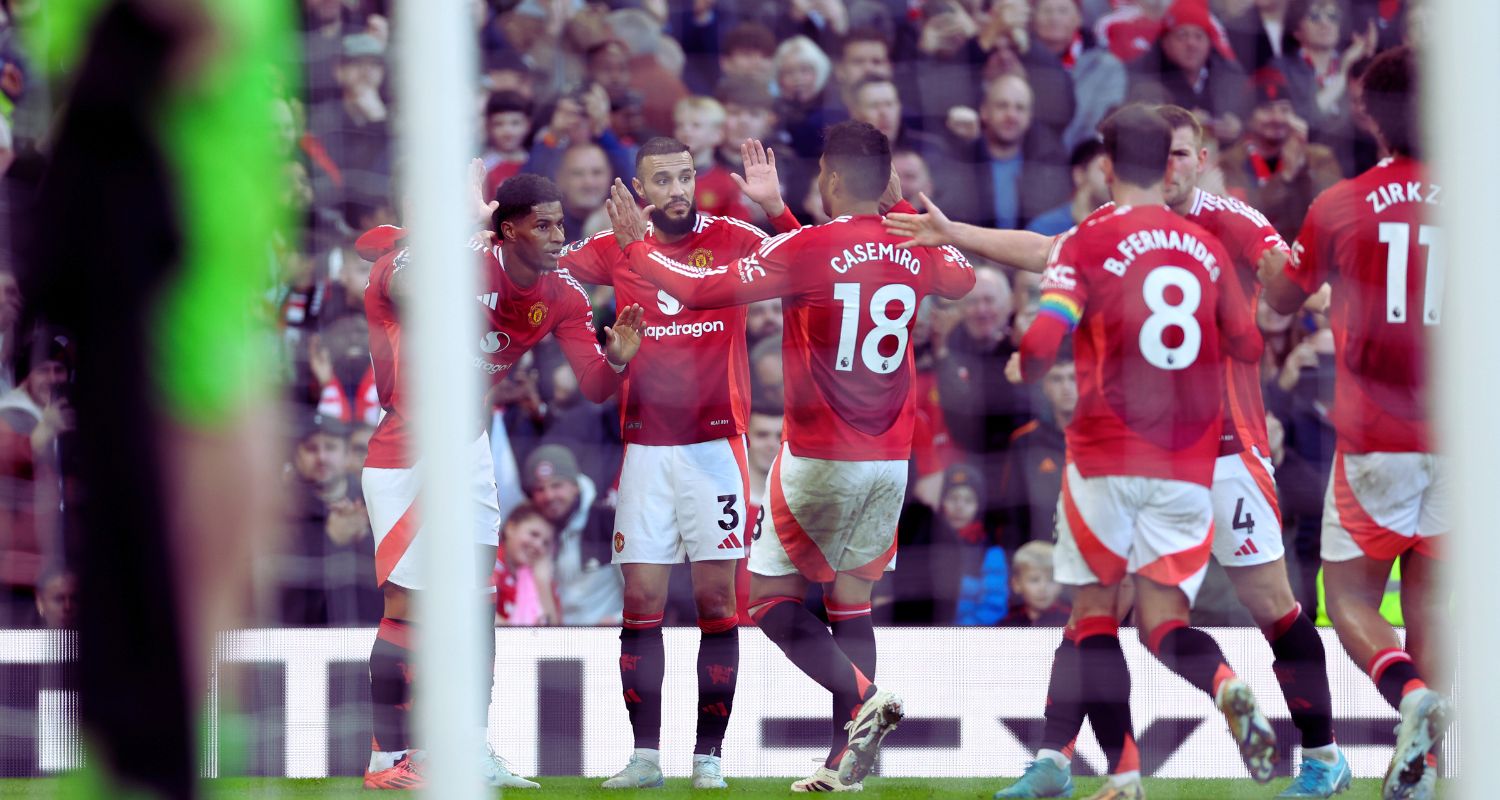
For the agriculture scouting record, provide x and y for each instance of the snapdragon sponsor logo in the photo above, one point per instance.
(693, 329)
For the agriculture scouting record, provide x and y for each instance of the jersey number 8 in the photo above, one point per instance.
(1165, 314)
(886, 327)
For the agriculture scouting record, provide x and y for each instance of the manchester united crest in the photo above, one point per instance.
(702, 258)
(619, 542)
(537, 313)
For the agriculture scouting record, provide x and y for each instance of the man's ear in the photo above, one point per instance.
(507, 230)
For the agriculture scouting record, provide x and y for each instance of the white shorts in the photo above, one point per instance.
(1247, 516)
(1380, 505)
(390, 496)
(683, 500)
(1111, 525)
(827, 517)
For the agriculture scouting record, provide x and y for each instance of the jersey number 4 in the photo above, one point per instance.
(1398, 236)
(886, 326)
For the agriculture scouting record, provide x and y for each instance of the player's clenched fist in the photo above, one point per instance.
(623, 340)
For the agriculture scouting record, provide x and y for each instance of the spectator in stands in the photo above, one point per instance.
(765, 372)
(583, 177)
(980, 407)
(1318, 75)
(915, 175)
(804, 105)
(1189, 67)
(875, 100)
(1099, 79)
(578, 119)
(1005, 172)
(10, 322)
(969, 571)
(750, 113)
(700, 126)
(763, 440)
(33, 418)
(1032, 480)
(325, 23)
(354, 131)
(505, 71)
(1037, 597)
(57, 598)
(656, 67)
(507, 135)
(1090, 190)
(1264, 33)
(864, 54)
(1275, 168)
(589, 586)
(322, 572)
(763, 321)
(526, 570)
(359, 449)
(749, 54)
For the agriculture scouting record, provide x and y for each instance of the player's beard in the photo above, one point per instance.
(675, 227)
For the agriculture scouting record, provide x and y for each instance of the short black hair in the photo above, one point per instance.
(520, 193)
(864, 34)
(659, 146)
(861, 155)
(1391, 100)
(749, 36)
(1138, 141)
(1086, 151)
(506, 101)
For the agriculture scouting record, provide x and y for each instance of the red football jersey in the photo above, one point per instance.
(1247, 235)
(692, 376)
(849, 303)
(515, 319)
(1141, 285)
(1372, 237)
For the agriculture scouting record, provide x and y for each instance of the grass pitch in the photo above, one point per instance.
(883, 788)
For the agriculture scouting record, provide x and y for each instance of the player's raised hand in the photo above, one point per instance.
(482, 210)
(623, 339)
(627, 218)
(760, 182)
(1013, 368)
(932, 229)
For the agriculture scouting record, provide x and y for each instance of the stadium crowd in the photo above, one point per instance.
(991, 109)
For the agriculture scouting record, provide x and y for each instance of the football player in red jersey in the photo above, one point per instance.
(1142, 288)
(525, 298)
(850, 298)
(684, 484)
(1372, 237)
(1247, 527)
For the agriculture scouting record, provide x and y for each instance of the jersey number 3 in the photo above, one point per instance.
(886, 326)
(1166, 314)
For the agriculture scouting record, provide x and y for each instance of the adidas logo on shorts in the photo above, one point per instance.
(731, 542)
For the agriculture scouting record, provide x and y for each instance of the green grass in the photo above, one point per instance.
(890, 788)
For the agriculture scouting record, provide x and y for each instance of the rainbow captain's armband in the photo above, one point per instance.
(1062, 308)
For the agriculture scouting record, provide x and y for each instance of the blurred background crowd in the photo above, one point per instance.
(990, 106)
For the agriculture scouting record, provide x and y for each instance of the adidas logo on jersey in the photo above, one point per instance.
(1247, 549)
(490, 300)
(731, 542)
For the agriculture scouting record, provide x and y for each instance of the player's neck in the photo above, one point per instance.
(1185, 205)
(1126, 194)
(854, 208)
(519, 272)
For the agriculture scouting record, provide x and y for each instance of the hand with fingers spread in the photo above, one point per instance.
(623, 339)
(932, 229)
(482, 209)
(760, 182)
(627, 218)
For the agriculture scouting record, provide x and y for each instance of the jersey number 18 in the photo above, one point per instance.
(886, 326)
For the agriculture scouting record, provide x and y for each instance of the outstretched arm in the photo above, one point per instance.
(1022, 249)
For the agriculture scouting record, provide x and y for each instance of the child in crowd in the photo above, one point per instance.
(525, 586)
(1037, 595)
(700, 126)
(507, 132)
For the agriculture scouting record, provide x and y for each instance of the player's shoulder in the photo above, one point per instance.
(564, 289)
(598, 242)
(1217, 210)
(733, 228)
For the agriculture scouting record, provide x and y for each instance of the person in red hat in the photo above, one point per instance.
(1191, 65)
